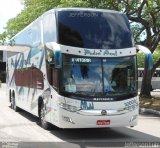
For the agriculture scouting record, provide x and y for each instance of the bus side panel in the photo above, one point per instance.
(27, 77)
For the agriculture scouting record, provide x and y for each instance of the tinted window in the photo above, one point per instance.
(29, 77)
(99, 76)
(82, 75)
(49, 28)
(31, 36)
(94, 29)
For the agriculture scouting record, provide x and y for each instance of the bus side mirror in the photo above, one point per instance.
(58, 58)
(56, 53)
(148, 56)
(49, 45)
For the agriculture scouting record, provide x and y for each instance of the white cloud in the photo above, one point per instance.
(8, 9)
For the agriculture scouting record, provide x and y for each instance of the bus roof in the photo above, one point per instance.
(83, 9)
(68, 9)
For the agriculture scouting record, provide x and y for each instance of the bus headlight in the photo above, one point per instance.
(69, 107)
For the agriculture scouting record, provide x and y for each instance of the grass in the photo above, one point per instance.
(150, 103)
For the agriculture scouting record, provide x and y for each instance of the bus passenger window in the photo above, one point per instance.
(49, 28)
(52, 74)
(37, 78)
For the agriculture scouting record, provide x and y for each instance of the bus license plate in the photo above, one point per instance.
(103, 122)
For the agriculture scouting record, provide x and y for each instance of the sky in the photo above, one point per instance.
(8, 9)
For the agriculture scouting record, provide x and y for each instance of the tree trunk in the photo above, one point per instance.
(146, 81)
(146, 84)
(148, 67)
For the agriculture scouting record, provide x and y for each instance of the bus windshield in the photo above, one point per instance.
(99, 76)
(94, 30)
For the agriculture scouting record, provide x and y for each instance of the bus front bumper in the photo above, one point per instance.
(98, 118)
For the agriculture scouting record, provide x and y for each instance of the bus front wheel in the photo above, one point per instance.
(13, 103)
(42, 116)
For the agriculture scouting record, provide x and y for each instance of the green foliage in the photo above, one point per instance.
(3, 37)
(140, 59)
(73, 3)
(156, 56)
(144, 13)
(32, 10)
(141, 56)
(143, 16)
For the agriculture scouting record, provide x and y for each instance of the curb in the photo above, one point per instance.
(146, 110)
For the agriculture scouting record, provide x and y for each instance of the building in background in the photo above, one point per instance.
(3, 56)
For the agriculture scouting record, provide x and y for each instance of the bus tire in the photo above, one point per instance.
(42, 115)
(13, 103)
(10, 96)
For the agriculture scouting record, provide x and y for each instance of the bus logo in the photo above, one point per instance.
(103, 112)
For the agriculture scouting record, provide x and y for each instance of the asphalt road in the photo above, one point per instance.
(23, 128)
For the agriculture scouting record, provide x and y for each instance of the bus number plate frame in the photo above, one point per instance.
(103, 122)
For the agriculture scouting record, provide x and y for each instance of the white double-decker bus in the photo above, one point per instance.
(78, 70)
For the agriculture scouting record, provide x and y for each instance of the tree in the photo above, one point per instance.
(141, 58)
(32, 10)
(2, 38)
(145, 22)
(146, 14)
